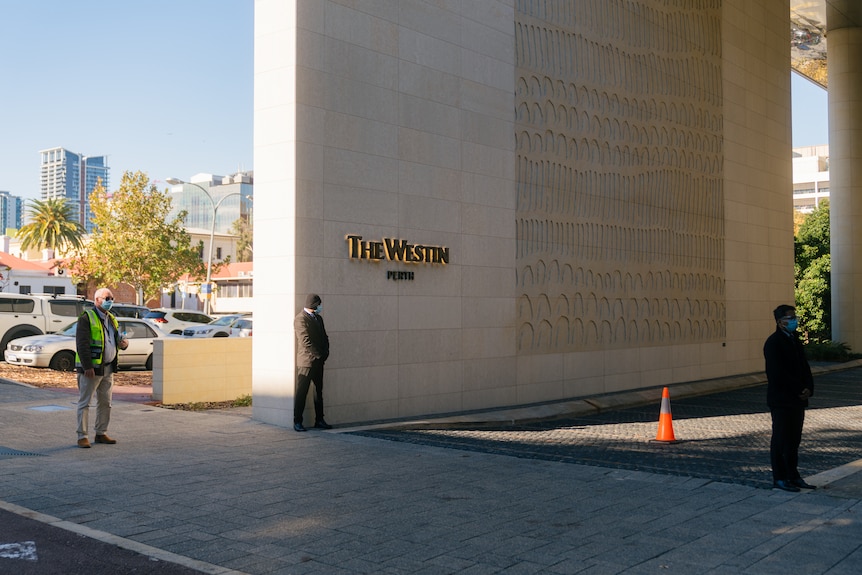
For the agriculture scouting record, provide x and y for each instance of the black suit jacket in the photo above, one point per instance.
(312, 343)
(787, 370)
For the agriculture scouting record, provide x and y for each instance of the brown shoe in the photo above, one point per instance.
(102, 438)
(83, 442)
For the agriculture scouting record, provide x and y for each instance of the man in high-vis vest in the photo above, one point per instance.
(98, 341)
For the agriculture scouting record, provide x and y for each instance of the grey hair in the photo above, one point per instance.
(101, 292)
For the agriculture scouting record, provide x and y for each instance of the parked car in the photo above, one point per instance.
(220, 327)
(241, 328)
(34, 314)
(176, 320)
(130, 310)
(57, 350)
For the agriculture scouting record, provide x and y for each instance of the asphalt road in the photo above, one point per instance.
(30, 547)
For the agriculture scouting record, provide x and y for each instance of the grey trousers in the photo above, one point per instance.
(101, 386)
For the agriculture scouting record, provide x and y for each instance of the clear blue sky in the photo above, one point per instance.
(810, 112)
(161, 86)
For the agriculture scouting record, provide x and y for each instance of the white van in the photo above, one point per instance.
(34, 314)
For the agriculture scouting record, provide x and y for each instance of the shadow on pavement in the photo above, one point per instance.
(723, 436)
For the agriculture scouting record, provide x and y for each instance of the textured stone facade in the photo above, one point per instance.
(597, 192)
(620, 222)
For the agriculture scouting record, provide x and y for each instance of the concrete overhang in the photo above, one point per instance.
(808, 39)
(810, 22)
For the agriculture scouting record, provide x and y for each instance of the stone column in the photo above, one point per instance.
(844, 43)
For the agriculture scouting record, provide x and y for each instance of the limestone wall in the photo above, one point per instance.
(620, 214)
(200, 370)
(605, 178)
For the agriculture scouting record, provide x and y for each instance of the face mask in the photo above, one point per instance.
(318, 309)
(107, 304)
(792, 324)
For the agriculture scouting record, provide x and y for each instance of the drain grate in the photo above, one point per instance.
(9, 452)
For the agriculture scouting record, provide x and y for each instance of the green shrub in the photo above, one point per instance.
(242, 401)
(829, 351)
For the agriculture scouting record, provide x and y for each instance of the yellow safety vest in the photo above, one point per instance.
(97, 337)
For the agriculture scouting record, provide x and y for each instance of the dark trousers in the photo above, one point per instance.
(304, 377)
(786, 437)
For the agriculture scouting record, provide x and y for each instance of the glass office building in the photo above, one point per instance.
(231, 193)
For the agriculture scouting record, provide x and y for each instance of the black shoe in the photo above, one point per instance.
(801, 484)
(321, 424)
(785, 486)
(300, 427)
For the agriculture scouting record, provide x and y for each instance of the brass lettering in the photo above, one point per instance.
(396, 250)
(443, 254)
(354, 243)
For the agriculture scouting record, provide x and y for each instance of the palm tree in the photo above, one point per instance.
(52, 225)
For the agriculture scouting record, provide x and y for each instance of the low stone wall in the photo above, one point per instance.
(197, 370)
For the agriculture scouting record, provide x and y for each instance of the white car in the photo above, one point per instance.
(57, 350)
(220, 327)
(176, 320)
(241, 328)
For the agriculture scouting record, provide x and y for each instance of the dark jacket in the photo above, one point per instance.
(82, 345)
(312, 343)
(787, 370)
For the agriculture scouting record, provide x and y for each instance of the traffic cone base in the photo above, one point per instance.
(665, 420)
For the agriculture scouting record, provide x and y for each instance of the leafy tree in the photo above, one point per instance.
(798, 218)
(813, 265)
(52, 225)
(244, 229)
(134, 242)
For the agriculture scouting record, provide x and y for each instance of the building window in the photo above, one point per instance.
(227, 290)
(23, 289)
(56, 290)
(218, 253)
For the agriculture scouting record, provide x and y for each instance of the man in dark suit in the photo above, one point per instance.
(789, 385)
(312, 349)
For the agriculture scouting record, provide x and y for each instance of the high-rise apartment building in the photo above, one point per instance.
(11, 210)
(73, 176)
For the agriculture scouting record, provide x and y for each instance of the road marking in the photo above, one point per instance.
(25, 550)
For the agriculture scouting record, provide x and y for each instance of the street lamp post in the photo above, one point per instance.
(215, 206)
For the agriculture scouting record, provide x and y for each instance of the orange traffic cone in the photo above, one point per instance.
(665, 420)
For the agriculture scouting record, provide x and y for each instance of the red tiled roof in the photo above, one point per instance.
(231, 270)
(14, 263)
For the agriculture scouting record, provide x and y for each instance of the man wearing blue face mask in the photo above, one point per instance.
(789, 386)
(97, 341)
